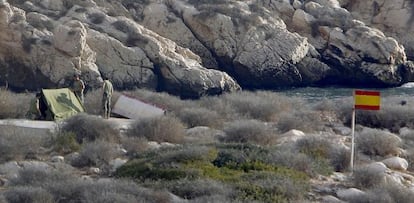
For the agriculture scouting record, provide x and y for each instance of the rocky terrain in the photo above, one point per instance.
(193, 48)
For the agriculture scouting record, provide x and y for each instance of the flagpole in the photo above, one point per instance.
(353, 140)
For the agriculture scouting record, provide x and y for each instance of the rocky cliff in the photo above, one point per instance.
(205, 47)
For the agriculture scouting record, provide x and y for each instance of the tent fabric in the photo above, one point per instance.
(61, 103)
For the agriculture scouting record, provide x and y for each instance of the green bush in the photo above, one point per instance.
(159, 129)
(271, 187)
(167, 163)
(65, 142)
(249, 131)
(191, 189)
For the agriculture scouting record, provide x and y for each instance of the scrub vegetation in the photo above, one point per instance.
(250, 155)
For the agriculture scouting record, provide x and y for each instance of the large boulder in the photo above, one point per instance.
(395, 18)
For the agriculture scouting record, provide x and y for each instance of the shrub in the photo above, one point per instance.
(97, 153)
(392, 116)
(16, 145)
(271, 187)
(67, 187)
(315, 147)
(367, 177)
(340, 158)
(290, 159)
(93, 102)
(191, 189)
(14, 105)
(193, 117)
(377, 142)
(159, 129)
(307, 121)
(265, 106)
(392, 192)
(249, 131)
(28, 194)
(167, 163)
(65, 142)
(89, 128)
(134, 145)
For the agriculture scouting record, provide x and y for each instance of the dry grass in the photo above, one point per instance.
(14, 105)
(90, 128)
(377, 142)
(159, 129)
(249, 131)
(16, 144)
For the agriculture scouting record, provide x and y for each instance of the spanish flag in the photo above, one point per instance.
(367, 100)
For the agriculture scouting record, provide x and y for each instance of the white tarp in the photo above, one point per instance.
(135, 109)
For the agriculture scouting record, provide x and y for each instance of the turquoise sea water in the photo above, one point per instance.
(315, 93)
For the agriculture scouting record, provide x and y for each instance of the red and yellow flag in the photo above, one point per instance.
(367, 100)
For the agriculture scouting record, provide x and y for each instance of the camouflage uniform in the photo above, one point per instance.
(106, 97)
(77, 87)
(34, 110)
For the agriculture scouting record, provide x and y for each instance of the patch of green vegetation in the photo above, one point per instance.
(65, 142)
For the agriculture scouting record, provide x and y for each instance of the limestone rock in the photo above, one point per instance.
(396, 163)
(125, 66)
(349, 194)
(70, 38)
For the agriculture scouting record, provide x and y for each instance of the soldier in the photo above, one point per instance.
(107, 97)
(34, 110)
(78, 86)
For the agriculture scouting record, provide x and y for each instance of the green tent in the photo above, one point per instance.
(58, 104)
